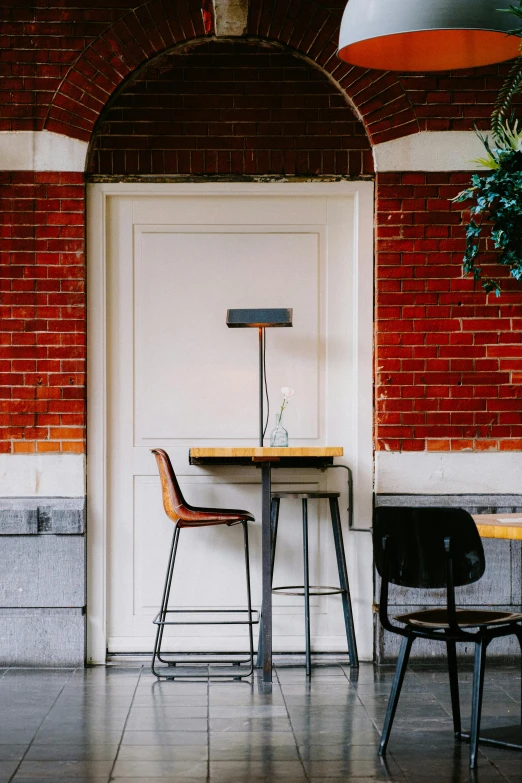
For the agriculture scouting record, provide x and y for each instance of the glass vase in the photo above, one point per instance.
(278, 436)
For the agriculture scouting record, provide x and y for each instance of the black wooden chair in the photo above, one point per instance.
(437, 548)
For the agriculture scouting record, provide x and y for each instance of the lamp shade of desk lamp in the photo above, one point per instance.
(427, 35)
(260, 319)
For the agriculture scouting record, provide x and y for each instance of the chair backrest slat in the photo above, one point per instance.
(415, 552)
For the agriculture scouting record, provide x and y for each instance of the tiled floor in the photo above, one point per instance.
(118, 723)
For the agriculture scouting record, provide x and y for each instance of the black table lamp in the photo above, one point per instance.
(260, 319)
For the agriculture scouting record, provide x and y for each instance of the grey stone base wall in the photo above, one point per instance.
(42, 637)
(42, 582)
(499, 588)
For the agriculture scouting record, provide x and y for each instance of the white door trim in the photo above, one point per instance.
(97, 198)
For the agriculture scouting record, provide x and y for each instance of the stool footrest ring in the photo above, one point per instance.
(253, 621)
(314, 590)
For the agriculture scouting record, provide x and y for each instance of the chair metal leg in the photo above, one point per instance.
(400, 671)
(454, 686)
(306, 586)
(518, 633)
(165, 599)
(476, 707)
(274, 518)
(249, 599)
(343, 581)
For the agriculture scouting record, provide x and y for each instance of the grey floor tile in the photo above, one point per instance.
(165, 738)
(7, 769)
(362, 737)
(162, 722)
(55, 770)
(340, 752)
(166, 711)
(255, 752)
(90, 735)
(161, 769)
(250, 724)
(353, 768)
(253, 738)
(240, 771)
(85, 752)
(154, 780)
(12, 752)
(163, 753)
(76, 779)
(174, 699)
(154, 686)
(249, 711)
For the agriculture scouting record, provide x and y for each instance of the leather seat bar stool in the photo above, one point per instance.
(307, 589)
(190, 517)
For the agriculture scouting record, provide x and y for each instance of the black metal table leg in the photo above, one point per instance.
(306, 587)
(266, 539)
(274, 519)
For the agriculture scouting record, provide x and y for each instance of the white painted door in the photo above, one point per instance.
(177, 258)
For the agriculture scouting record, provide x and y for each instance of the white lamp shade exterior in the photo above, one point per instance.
(427, 35)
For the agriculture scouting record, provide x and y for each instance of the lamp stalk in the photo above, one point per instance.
(262, 338)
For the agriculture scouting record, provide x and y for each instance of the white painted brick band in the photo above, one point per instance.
(41, 151)
(42, 475)
(446, 473)
(426, 151)
(430, 151)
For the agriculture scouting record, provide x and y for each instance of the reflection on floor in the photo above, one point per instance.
(118, 723)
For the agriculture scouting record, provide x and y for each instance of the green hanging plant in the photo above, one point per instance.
(497, 196)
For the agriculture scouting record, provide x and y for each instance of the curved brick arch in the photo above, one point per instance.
(305, 26)
(312, 30)
(241, 108)
(130, 42)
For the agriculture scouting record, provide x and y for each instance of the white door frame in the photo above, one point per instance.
(97, 198)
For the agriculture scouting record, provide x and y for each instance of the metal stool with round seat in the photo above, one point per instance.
(307, 590)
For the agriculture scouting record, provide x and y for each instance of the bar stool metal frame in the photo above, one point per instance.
(185, 515)
(306, 590)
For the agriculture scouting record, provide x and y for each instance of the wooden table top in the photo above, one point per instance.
(267, 451)
(293, 456)
(499, 525)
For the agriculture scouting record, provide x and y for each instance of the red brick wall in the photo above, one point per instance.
(57, 59)
(59, 64)
(223, 108)
(448, 357)
(42, 307)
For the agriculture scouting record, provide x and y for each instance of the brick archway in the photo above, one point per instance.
(230, 108)
(306, 27)
(312, 30)
(123, 47)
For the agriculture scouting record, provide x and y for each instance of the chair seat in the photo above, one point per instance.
(201, 517)
(306, 495)
(466, 618)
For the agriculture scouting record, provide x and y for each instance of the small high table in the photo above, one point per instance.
(507, 526)
(267, 458)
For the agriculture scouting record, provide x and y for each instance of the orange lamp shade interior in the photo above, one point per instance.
(432, 50)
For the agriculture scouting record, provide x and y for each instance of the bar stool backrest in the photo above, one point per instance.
(409, 544)
(173, 500)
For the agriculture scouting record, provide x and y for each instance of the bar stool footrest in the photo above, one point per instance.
(253, 621)
(314, 590)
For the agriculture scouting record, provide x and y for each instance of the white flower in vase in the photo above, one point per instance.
(279, 436)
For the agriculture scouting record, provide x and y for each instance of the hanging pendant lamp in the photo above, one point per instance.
(427, 35)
